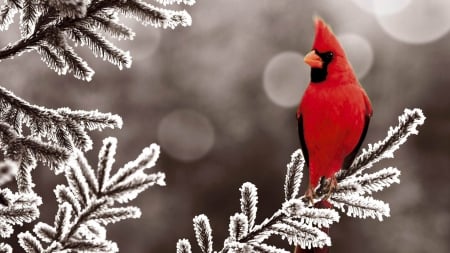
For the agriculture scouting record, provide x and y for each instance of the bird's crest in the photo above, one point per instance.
(325, 39)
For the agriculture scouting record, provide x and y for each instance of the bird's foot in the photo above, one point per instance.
(332, 187)
(310, 195)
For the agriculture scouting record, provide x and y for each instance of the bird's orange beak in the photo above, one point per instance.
(313, 60)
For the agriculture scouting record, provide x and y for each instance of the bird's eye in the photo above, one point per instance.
(328, 56)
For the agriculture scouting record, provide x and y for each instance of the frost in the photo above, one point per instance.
(297, 210)
(299, 221)
(83, 212)
(294, 175)
(58, 138)
(359, 206)
(203, 233)
(396, 136)
(183, 246)
(53, 23)
(238, 226)
(249, 200)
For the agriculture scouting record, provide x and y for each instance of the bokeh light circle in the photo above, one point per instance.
(382, 7)
(186, 135)
(359, 52)
(145, 44)
(285, 78)
(420, 22)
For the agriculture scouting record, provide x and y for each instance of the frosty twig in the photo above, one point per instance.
(87, 202)
(46, 26)
(299, 222)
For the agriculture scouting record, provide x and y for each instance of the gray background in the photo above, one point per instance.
(216, 68)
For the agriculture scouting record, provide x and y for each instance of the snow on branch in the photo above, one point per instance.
(85, 208)
(53, 135)
(183, 246)
(169, 2)
(47, 27)
(7, 14)
(17, 209)
(203, 233)
(5, 248)
(361, 206)
(299, 221)
(249, 199)
(294, 175)
(369, 183)
(62, 127)
(407, 125)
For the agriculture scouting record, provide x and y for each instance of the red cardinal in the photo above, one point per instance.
(334, 113)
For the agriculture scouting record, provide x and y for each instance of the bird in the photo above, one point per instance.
(334, 112)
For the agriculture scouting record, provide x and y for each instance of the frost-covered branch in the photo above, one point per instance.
(53, 134)
(46, 27)
(17, 209)
(85, 208)
(62, 127)
(407, 125)
(299, 221)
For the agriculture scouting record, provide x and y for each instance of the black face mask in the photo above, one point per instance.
(320, 74)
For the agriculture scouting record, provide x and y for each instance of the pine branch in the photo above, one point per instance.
(298, 220)
(203, 233)
(360, 206)
(170, 2)
(28, 17)
(408, 123)
(74, 63)
(369, 183)
(238, 227)
(26, 150)
(249, 199)
(45, 27)
(262, 247)
(109, 25)
(49, 56)
(63, 127)
(105, 161)
(23, 177)
(294, 175)
(5, 248)
(100, 46)
(84, 207)
(6, 16)
(17, 209)
(183, 246)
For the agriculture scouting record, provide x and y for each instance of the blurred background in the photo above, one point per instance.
(220, 98)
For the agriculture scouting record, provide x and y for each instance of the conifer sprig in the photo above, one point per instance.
(17, 209)
(46, 27)
(297, 220)
(53, 134)
(85, 208)
(62, 127)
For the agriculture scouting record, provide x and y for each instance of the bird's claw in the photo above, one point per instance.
(333, 184)
(310, 195)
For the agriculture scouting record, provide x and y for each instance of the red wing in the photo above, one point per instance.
(301, 135)
(350, 157)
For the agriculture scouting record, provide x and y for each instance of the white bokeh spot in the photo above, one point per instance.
(420, 22)
(285, 78)
(147, 43)
(382, 7)
(359, 53)
(186, 135)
